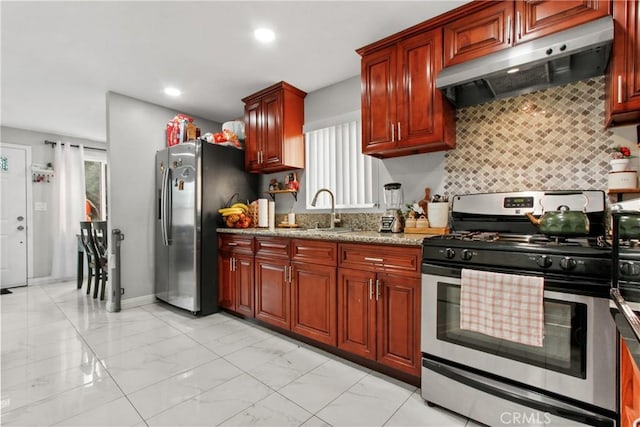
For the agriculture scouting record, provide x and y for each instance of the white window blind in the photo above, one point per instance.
(335, 161)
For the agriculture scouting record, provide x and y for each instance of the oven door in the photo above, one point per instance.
(578, 357)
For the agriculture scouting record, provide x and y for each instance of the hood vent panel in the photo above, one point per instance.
(571, 55)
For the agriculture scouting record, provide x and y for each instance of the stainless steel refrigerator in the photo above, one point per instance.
(194, 180)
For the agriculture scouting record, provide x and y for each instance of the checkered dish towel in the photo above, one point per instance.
(506, 306)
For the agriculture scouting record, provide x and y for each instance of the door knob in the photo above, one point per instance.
(20, 218)
(20, 228)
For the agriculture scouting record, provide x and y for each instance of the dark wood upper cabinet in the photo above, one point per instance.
(483, 32)
(402, 111)
(274, 141)
(622, 88)
(535, 19)
(504, 24)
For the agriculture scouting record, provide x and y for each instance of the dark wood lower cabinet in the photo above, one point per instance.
(379, 318)
(399, 322)
(313, 301)
(368, 310)
(272, 292)
(357, 312)
(243, 266)
(629, 387)
(225, 280)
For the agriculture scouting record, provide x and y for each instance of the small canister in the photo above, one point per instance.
(410, 223)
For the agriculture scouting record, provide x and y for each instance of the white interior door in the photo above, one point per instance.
(13, 216)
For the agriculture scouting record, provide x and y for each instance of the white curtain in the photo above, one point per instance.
(339, 165)
(68, 208)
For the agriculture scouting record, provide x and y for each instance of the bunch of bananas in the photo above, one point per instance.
(236, 215)
(235, 209)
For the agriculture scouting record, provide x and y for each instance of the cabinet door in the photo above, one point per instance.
(399, 322)
(313, 302)
(480, 33)
(357, 312)
(379, 100)
(272, 292)
(419, 102)
(537, 18)
(225, 281)
(623, 76)
(253, 136)
(244, 284)
(272, 130)
(629, 387)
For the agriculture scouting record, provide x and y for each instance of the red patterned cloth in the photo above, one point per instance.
(506, 306)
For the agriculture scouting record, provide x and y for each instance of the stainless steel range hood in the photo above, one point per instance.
(571, 55)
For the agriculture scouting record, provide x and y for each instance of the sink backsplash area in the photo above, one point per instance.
(551, 139)
(354, 221)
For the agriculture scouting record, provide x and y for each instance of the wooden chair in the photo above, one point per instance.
(100, 236)
(97, 261)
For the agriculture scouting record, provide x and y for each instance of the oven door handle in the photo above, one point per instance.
(564, 411)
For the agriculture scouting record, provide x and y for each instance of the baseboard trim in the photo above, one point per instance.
(132, 302)
(46, 280)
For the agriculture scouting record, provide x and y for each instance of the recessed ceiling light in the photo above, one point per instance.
(264, 35)
(513, 70)
(172, 91)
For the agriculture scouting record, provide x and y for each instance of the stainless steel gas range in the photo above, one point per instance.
(571, 378)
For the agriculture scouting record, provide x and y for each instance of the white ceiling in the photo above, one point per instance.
(59, 59)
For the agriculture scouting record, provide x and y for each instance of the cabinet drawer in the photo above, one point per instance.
(235, 243)
(398, 259)
(272, 247)
(314, 251)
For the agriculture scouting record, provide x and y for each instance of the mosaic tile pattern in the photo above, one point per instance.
(550, 139)
(358, 221)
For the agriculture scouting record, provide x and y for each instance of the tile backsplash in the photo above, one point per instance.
(548, 140)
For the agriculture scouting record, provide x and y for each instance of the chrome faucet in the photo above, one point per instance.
(332, 222)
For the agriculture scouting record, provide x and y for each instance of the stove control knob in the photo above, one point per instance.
(567, 263)
(466, 255)
(629, 269)
(449, 253)
(544, 261)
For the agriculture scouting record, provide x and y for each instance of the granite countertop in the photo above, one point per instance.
(338, 236)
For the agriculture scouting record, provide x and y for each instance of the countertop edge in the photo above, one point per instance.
(400, 239)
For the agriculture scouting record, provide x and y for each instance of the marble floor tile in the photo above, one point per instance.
(64, 405)
(176, 389)
(45, 386)
(117, 413)
(316, 389)
(115, 346)
(281, 370)
(416, 412)
(216, 405)
(260, 352)
(275, 410)
(66, 360)
(147, 365)
(233, 342)
(371, 401)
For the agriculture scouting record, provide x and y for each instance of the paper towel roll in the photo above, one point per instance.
(263, 213)
(272, 215)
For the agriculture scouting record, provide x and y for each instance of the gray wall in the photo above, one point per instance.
(135, 131)
(41, 154)
(414, 172)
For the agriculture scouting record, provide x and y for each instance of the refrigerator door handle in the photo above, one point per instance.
(169, 207)
(163, 207)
